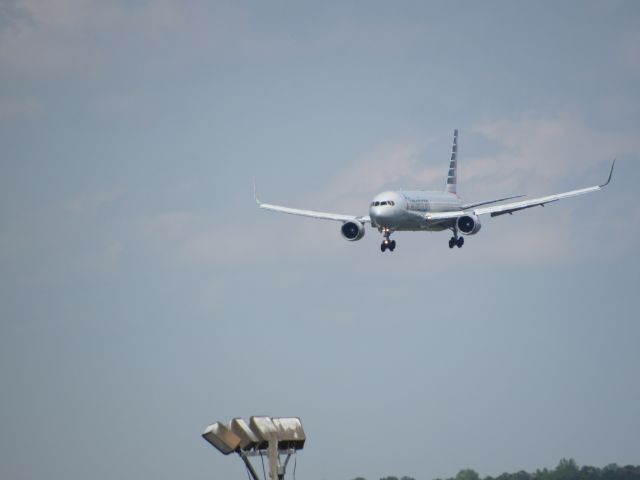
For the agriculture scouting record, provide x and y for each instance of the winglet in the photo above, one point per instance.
(255, 196)
(610, 174)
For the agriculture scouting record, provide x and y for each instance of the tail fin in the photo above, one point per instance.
(452, 176)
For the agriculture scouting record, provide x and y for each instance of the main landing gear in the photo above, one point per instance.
(453, 241)
(456, 240)
(386, 243)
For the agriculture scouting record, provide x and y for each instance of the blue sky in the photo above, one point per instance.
(143, 295)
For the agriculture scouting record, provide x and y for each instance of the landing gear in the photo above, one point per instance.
(391, 245)
(456, 240)
(386, 243)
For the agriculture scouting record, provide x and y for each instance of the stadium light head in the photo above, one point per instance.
(248, 439)
(264, 430)
(289, 432)
(221, 437)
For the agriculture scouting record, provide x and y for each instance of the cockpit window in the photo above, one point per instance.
(391, 202)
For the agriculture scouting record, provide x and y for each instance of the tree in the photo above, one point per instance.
(566, 470)
(467, 474)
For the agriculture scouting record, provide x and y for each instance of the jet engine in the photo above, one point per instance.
(352, 230)
(469, 224)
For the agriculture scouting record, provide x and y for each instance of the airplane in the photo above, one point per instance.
(421, 210)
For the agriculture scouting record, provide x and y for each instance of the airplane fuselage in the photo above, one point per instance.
(407, 210)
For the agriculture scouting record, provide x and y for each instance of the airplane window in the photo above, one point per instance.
(391, 202)
(375, 204)
(383, 203)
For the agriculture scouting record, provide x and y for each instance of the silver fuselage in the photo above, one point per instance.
(407, 210)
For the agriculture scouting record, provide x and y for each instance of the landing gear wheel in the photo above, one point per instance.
(386, 243)
(460, 242)
(452, 242)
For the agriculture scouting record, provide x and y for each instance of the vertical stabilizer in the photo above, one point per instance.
(452, 176)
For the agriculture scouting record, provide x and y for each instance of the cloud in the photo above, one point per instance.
(91, 203)
(388, 166)
(536, 153)
(16, 108)
(629, 53)
(70, 38)
(191, 238)
(11, 15)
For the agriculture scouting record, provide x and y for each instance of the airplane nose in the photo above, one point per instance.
(381, 215)
(377, 212)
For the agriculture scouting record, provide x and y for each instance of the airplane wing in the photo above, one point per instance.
(487, 202)
(313, 214)
(521, 205)
(310, 213)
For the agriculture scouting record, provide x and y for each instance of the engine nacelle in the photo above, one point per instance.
(352, 230)
(469, 224)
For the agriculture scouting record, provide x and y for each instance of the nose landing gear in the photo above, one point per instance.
(386, 243)
(391, 245)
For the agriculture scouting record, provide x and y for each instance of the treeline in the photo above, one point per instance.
(567, 469)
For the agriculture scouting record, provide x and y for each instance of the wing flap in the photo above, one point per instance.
(510, 211)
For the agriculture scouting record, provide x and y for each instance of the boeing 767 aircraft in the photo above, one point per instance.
(420, 210)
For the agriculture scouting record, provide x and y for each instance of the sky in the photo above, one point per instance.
(143, 295)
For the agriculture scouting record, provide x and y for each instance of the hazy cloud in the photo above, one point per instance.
(18, 108)
(538, 152)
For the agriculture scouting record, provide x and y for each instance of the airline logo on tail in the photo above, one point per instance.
(452, 177)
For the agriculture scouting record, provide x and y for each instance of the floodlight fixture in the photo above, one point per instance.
(221, 437)
(290, 433)
(248, 439)
(274, 436)
(264, 430)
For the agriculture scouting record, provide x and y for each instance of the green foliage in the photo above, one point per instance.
(567, 469)
(467, 474)
(396, 478)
